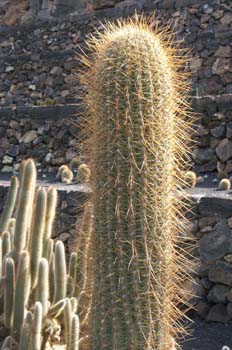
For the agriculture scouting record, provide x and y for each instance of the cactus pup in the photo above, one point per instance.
(138, 125)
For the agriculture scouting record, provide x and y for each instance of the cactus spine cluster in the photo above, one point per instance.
(34, 279)
(137, 127)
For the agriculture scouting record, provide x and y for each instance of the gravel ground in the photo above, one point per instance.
(209, 336)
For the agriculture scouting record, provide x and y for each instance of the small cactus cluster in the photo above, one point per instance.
(65, 174)
(39, 309)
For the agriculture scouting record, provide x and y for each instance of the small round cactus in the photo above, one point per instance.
(60, 171)
(83, 173)
(224, 185)
(67, 176)
(190, 179)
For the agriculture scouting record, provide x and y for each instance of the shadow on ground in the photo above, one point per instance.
(209, 336)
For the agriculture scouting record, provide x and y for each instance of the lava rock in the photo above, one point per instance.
(216, 244)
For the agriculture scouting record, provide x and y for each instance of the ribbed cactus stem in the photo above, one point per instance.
(11, 227)
(82, 249)
(36, 245)
(26, 195)
(50, 216)
(138, 130)
(9, 292)
(70, 286)
(60, 272)
(68, 314)
(37, 326)
(6, 243)
(49, 248)
(72, 267)
(10, 204)
(75, 331)
(52, 277)
(74, 304)
(26, 330)
(56, 309)
(22, 290)
(42, 288)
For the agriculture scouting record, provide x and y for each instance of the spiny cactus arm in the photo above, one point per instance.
(37, 326)
(26, 330)
(74, 304)
(52, 277)
(10, 204)
(8, 343)
(72, 267)
(6, 243)
(42, 288)
(49, 249)
(60, 272)
(68, 314)
(9, 292)
(83, 250)
(75, 331)
(11, 227)
(22, 290)
(36, 239)
(56, 309)
(70, 287)
(50, 216)
(25, 200)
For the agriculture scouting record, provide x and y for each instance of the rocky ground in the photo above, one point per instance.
(209, 336)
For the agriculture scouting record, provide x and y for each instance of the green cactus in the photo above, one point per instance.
(74, 336)
(50, 216)
(37, 232)
(9, 292)
(60, 272)
(22, 288)
(25, 200)
(56, 309)
(72, 268)
(10, 204)
(25, 338)
(34, 283)
(6, 243)
(42, 292)
(68, 314)
(137, 122)
(37, 326)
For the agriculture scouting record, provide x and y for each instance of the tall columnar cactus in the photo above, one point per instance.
(137, 127)
(33, 271)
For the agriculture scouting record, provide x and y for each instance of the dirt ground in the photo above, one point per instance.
(209, 336)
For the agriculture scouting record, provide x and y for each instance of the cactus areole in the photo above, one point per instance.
(138, 128)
